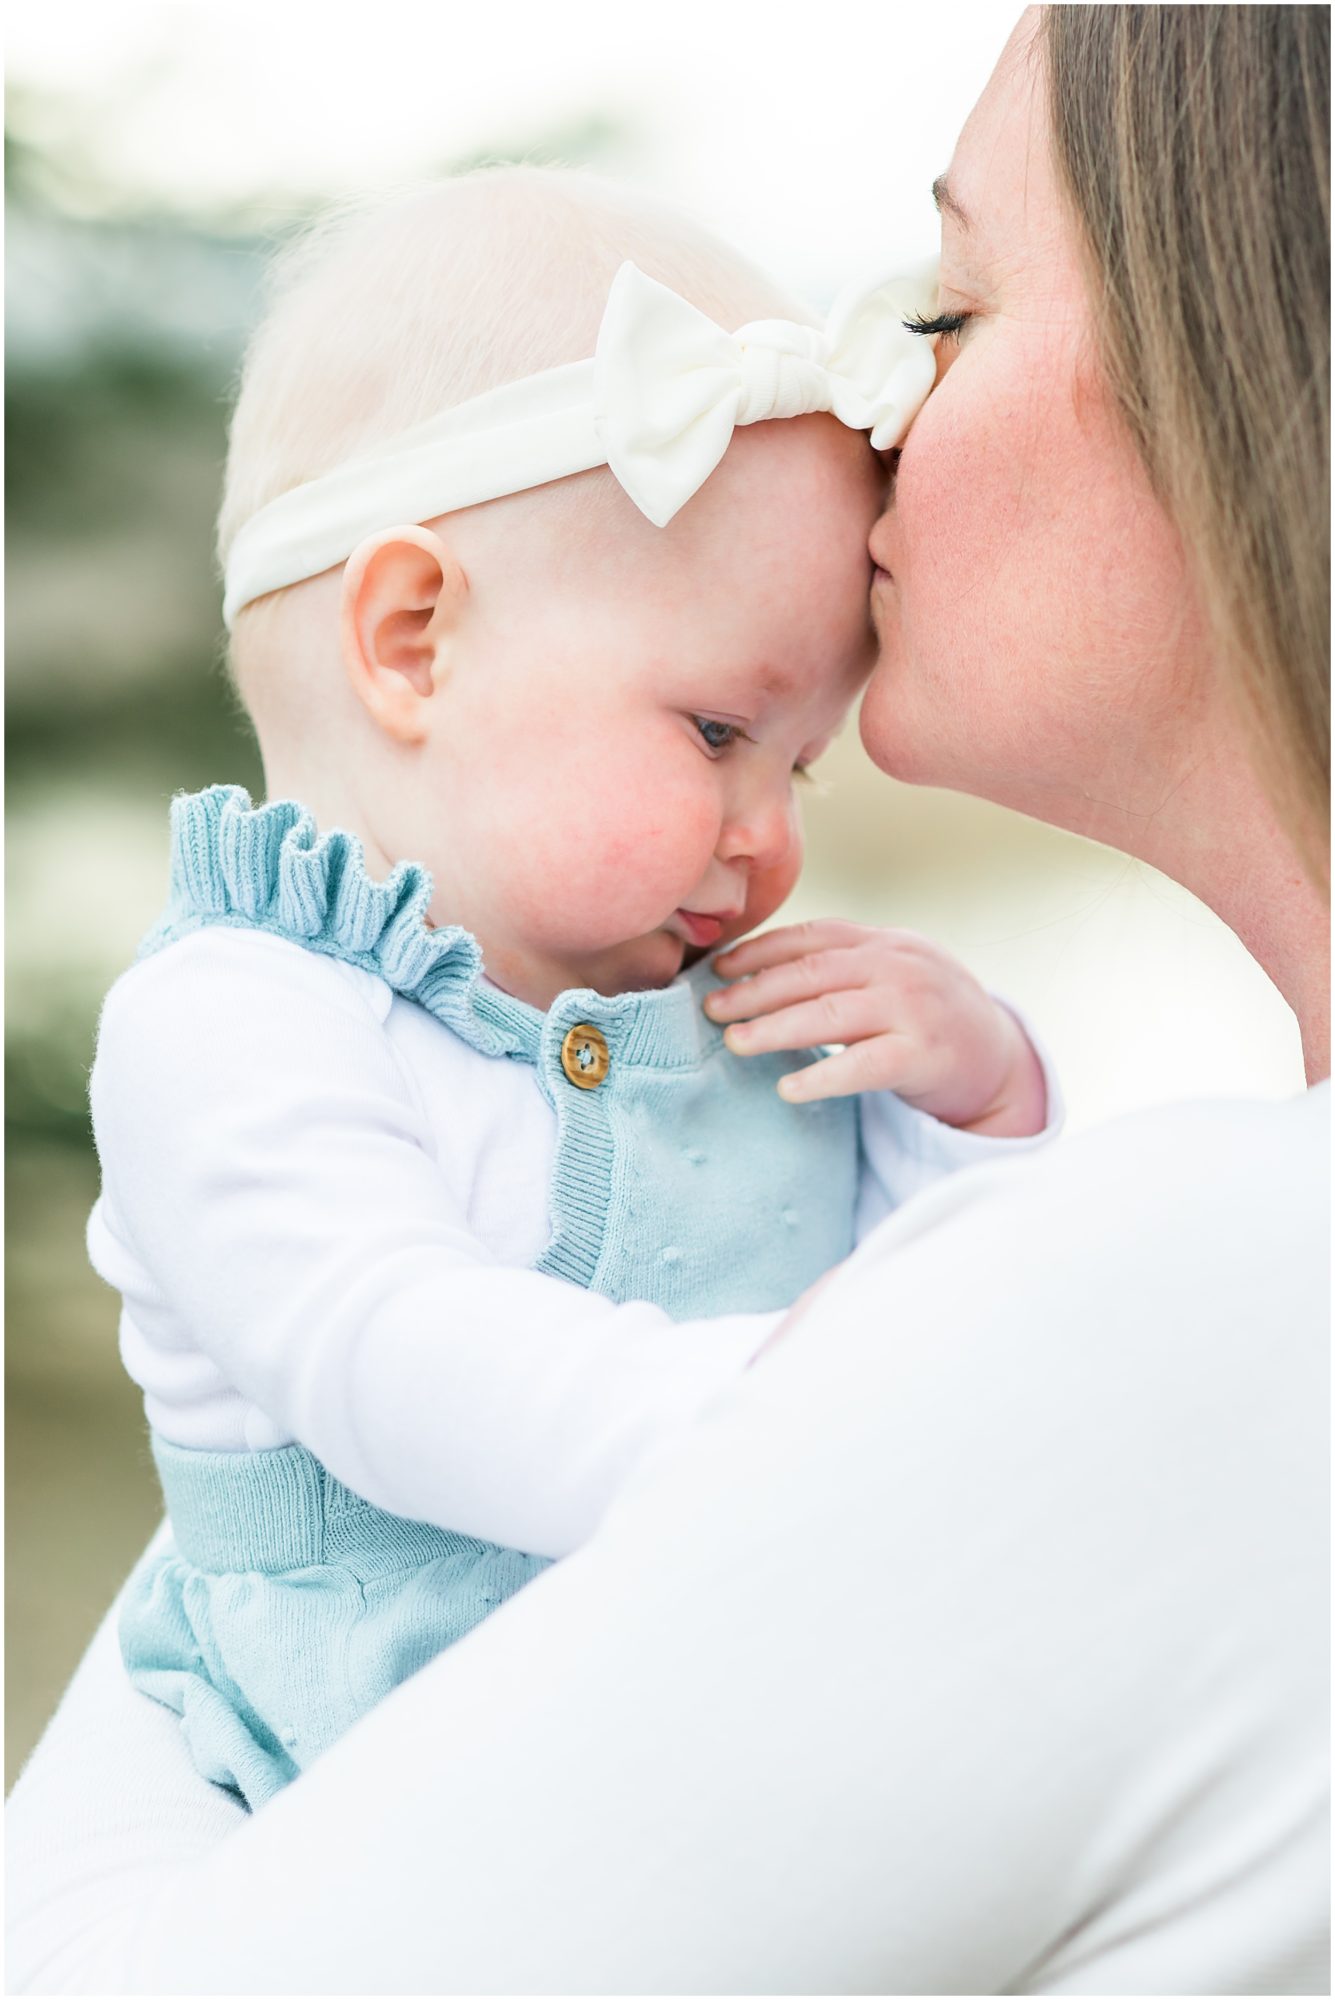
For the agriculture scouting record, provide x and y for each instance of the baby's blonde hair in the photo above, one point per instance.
(384, 314)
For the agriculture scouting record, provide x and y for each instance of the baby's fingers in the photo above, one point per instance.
(846, 1074)
(789, 941)
(804, 978)
(831, 1017)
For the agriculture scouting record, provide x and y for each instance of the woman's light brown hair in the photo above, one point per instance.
(1193, 142)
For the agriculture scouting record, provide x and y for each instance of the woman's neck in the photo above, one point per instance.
(1223, 842)
(1284, 921)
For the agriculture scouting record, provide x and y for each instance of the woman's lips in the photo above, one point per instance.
(700, 930)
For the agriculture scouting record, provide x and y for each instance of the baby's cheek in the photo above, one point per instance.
(616, 847)
(657, 843)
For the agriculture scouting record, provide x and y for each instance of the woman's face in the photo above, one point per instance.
(1038, 643)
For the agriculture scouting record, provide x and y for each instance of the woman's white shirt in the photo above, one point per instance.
(319, 1206)
(973, 1642)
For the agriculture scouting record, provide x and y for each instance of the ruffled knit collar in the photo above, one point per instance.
(268, 868)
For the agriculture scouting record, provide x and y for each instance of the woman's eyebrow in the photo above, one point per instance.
(947, 204)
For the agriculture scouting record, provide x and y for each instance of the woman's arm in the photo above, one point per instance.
(108, 1806)
(972, 1643)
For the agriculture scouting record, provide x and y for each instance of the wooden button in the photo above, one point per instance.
(584, 1056)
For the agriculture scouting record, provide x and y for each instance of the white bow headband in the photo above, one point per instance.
(658, 404)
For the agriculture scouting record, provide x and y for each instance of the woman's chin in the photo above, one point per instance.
(885, 726)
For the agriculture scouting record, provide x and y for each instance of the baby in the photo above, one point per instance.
(434, 1188)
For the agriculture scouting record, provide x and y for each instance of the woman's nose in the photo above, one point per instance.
(879, 539)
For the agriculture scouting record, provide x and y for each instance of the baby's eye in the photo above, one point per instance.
(718, 735)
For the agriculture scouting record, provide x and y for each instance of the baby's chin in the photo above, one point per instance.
(641, 965)
(646, 964)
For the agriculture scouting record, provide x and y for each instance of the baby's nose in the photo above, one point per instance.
(762, 834)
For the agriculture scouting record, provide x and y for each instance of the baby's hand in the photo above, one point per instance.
(911, 1019)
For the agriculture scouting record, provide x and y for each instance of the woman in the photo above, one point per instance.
(975, 1642)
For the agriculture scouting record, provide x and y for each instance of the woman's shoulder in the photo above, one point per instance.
(1260, 1166)
(1167, 1258)
(1201, 1220)
(1223, 1128)
(1152, 1179)
(1165, 1251)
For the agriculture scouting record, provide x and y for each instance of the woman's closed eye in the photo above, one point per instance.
(947, 323)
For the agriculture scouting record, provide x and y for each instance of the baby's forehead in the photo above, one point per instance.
(786, 498)
(384, 319)
(817, 692)
(786, 494)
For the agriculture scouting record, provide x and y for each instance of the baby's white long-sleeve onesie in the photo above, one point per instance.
(319, 1206)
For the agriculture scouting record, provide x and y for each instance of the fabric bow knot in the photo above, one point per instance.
(670, 386)
(658, 403)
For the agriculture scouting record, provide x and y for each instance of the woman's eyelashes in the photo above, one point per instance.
(948, 323)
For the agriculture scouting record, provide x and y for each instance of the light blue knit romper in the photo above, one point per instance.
(288, 1605)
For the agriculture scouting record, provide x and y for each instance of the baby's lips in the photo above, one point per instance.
(701, 929)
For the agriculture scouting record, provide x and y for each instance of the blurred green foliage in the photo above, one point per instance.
(125, 328)
(115, 698)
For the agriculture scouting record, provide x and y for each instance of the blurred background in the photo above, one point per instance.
(155, 152)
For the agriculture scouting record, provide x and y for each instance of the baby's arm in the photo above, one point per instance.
(265, 1157)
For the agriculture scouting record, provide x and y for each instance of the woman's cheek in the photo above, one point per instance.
(923, 613)
(980, 568)
(956, 496)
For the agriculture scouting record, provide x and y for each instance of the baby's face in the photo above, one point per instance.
(615, 757)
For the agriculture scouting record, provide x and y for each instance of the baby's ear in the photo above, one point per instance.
(402, 595)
